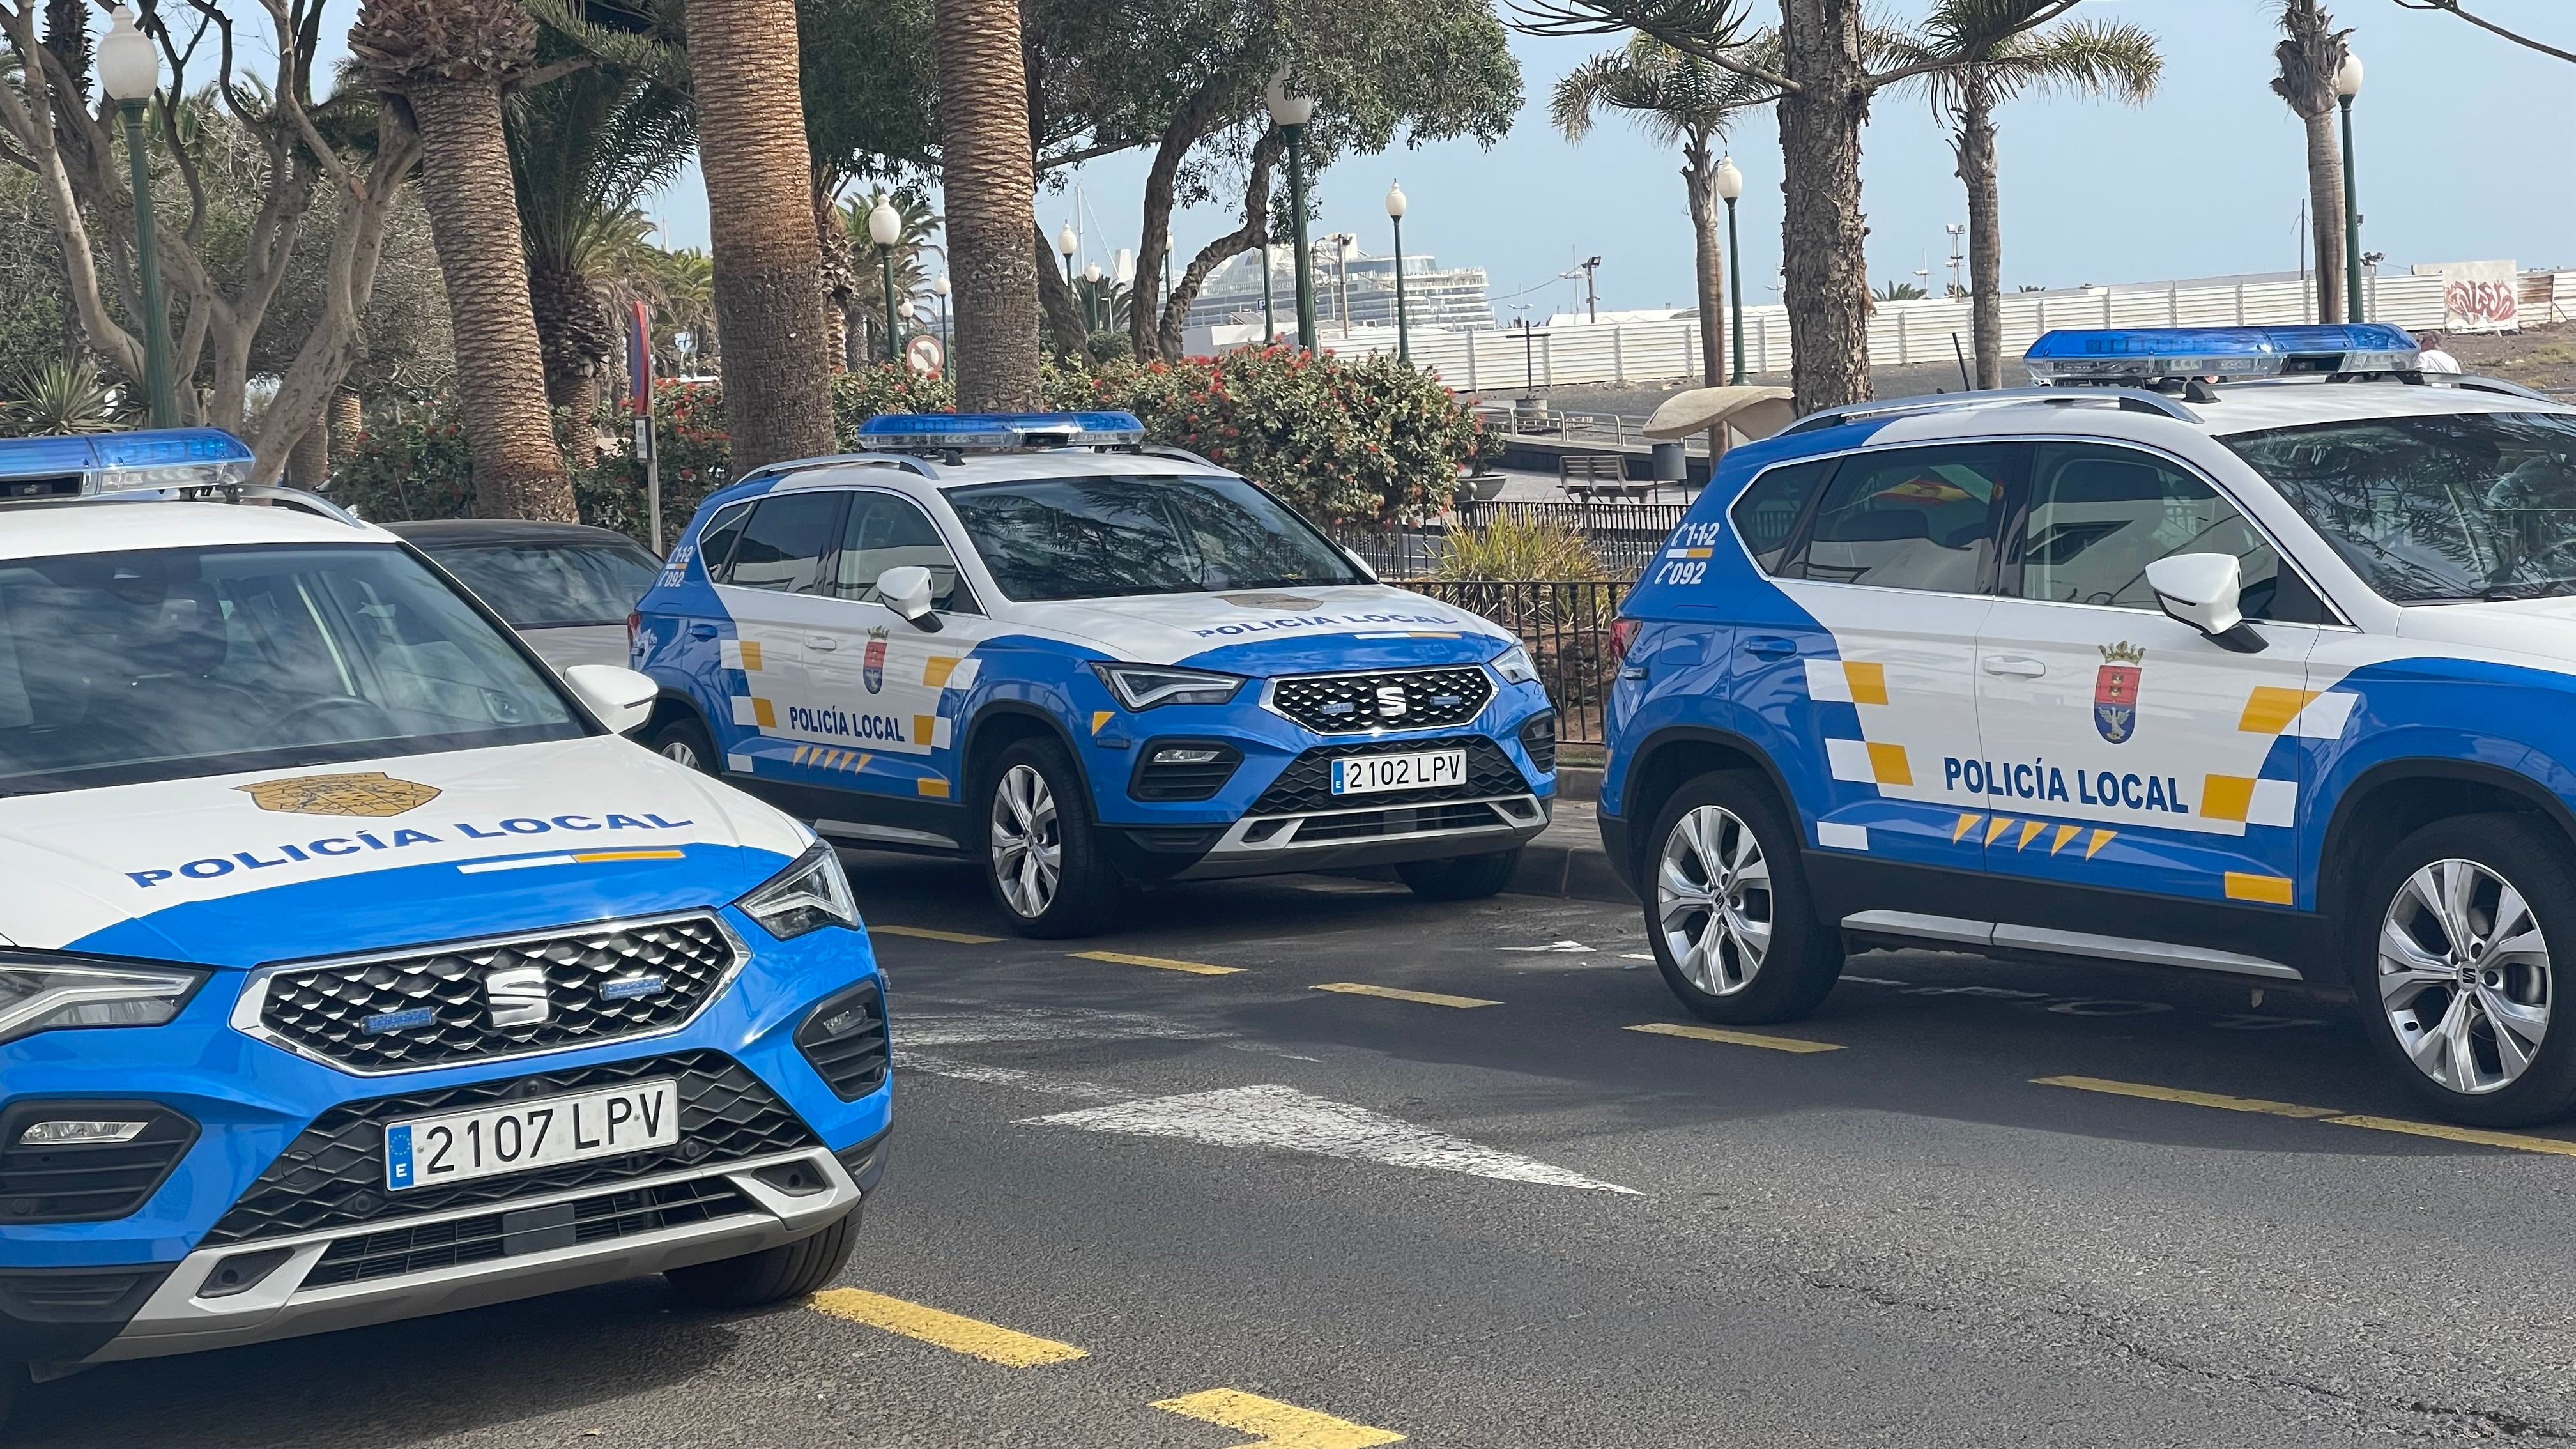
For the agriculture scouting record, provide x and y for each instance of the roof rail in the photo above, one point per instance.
(839, 460)
(1166, 450)
(2128, 399)
(203, 493)
(2472, 382)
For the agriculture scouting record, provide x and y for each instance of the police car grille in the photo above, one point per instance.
(1345, 704)
(392, 1252)
(328, 1010)
(1307, 783)
(333, 1174)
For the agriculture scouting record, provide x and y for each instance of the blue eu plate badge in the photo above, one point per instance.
(398, 1156)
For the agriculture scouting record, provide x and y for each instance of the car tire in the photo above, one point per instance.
(2439, 903)
(1042, 859)
(790, 1270)
(1733, 924)
(685, 742)
(1467, 878)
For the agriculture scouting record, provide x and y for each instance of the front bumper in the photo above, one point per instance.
(1337, 839)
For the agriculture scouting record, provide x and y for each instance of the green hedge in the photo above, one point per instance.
(1366, 441)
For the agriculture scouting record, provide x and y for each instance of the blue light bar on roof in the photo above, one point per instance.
(163, 458)
(1003, 432)
(2150, 354)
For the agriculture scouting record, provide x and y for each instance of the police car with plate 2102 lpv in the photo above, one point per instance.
(2251, 651)
(1086, 662)
(353, 967)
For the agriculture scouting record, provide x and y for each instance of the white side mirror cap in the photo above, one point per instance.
(2199, 589)
(906, 590)
(621, 697)
(1362, 565)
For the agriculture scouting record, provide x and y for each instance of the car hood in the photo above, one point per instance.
(2543, 630)
(237, 870)
(1279, 631)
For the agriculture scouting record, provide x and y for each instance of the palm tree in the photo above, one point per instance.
(2310, 52)
(760, 209)
(583, 149)
(1677, 100)
(988, 183)
(447, 60)
(1977, 70)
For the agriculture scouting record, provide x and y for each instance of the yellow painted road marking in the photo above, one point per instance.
(1736, 1038)
(1392, 993)
(2187, 1097)
(2269, 889)
(1275, 1425)
(958, 1334)
(1159, 963)
(2513, 1140)
(927, 934)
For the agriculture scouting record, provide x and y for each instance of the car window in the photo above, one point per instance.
(168, 663)
(551, 585)
(1103, 537)
(885, 531)
(2099, 515)
(715, 545)
(785, 543)
(1920, 518)
(1769, 509)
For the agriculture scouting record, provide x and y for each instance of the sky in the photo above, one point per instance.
(2460, 156)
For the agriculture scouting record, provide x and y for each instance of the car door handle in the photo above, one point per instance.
(821, 643)
(702, 631)
(1770, 646)
(2015, 665)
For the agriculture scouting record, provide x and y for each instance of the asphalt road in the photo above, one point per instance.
(1330, 1217)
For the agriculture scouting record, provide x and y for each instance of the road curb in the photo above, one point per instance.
(1566, 860)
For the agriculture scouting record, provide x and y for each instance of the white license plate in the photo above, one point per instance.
(544, 1132)
(1429, 770)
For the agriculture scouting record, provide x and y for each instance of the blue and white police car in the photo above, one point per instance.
(2243, 650)
(353, 967)
(1086, 662)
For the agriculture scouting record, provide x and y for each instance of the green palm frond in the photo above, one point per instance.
(584, 148)
(1667, 94)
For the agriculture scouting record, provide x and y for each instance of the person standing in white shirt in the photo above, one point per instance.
(2434, 359)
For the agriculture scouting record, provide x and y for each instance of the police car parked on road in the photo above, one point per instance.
(352, 966)
(1031, 639)
(2240, 650)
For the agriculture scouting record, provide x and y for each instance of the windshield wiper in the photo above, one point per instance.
(2527, 589)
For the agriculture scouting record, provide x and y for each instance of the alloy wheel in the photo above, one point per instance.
(680, 751)
(1028, 851)
(2464, 976)
(1713, 899)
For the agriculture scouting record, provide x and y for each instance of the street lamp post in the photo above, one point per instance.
(1290, 113)
(1091, 297)
(130, 70)
(2347, 84)
(1068, 241)
(885, 228)
(1269, 311)
(939, 289)
(1730, 185)
(1395, 204)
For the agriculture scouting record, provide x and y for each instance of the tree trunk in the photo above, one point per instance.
(1975, 145)
(500, 368)
(1066, 331)
(988, 185)
(2325, 207)
(840, 281)
(1824, 234)
(309, 466)
(348, 419)
(1708, 258)
(760, 207)
(1191, 122)
(1254, 231)
(574, 332)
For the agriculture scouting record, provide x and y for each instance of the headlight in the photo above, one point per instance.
(40, 994)
(1514, 666)
(1143, 686)
(806, 896)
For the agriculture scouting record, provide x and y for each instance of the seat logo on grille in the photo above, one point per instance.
(516, 996)
(1390, 701)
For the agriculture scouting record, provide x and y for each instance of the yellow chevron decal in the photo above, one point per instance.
(2065, 833)
(2100, 838)
(1966, 823)
(2028, 830)
(2002, 823)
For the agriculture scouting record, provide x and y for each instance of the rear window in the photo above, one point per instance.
(552, 585)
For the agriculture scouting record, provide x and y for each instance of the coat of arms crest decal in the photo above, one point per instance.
(872, 673)
(2115, 691)
(372, 793)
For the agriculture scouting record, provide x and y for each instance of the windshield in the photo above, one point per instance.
(1092, 538)
(550, 585)
(2458, 506)
(173, 663)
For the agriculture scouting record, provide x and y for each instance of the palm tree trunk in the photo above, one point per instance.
(1976, 149)
(574, 335)
(348, 420)
(1824, 234)
(760, 208)
(988, 185)
(308, 465)
(840, 279)
(500, 368)
(1699, 185)
(2325, 207)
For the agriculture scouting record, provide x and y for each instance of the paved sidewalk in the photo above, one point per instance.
(1567, 858)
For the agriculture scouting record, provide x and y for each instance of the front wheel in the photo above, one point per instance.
(684, 741)
(1042, 856)
(1468, 878)
(1727, 907)
(2455, 973)
(790, 1270)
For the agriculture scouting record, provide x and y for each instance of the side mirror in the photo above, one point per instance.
(622, 698)
(2204, 591)
(1362, 565)
(906, 590)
